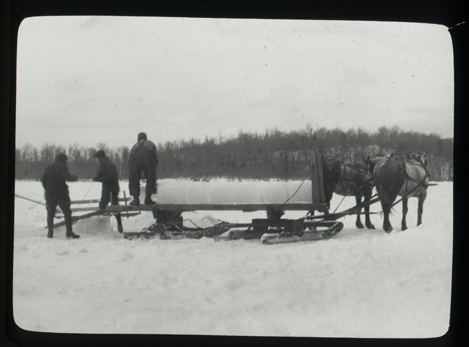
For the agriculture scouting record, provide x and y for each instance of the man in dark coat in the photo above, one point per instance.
(143, 158)
(107, 174)
(56, 193)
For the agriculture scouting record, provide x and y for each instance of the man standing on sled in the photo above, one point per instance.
(107, 175)
(56, 193)
(143, 158)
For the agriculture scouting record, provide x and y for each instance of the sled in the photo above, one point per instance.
(273, 197)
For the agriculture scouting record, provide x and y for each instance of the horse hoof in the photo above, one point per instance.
(360, 226)
(370, 226)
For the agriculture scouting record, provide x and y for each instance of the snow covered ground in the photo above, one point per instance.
(361, 283)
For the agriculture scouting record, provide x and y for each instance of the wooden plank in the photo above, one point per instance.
(94, 201)
(59, 214)
(123, 214)
(322, 191)
(218, 207)
(350, 211)
(314, 179)
(80, 209)
(77, 218)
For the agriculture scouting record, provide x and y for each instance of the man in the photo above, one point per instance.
(107, 175)
(143, 158)
(56, 193)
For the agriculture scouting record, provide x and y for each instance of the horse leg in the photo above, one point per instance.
(389, 176)
(404, 213)
(386, 223)
(422, 198)
(386, 206)
(358, 223)
(368, 223)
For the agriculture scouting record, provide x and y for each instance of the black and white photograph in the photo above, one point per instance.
(233, 177)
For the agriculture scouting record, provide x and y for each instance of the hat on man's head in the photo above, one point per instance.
(141, 136)
(99, 154)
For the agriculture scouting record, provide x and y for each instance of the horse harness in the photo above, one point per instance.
(418, 186)
(344, 178)
(419, 183)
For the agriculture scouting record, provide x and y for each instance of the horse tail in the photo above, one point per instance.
(389, 176)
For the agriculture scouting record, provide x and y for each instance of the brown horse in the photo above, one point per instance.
(349, 180)
(407, 177)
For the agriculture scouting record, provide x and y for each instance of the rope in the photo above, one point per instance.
(415, 188)
(339, 203)
(362, 185)
(188, 220)
(309, 172)
(84, 196)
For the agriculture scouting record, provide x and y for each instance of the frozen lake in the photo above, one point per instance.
(361, 283)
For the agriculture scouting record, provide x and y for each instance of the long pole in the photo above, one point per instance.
(37, 202)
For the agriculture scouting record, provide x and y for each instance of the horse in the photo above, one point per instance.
(415, 185)
(406, 177)
(349, 180)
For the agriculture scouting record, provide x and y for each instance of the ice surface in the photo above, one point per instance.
(361, 283)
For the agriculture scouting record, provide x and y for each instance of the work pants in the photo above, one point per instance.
(142, 160)
(107, 196)
(63, 201)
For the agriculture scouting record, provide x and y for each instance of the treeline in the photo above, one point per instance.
(273, 154)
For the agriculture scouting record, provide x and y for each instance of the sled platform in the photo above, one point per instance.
(218, 207)
(92, 201)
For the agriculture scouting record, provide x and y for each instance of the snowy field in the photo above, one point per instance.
(361, 283)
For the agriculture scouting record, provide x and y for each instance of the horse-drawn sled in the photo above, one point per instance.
(312, 195)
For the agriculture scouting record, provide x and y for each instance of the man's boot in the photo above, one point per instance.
(149, 201)
(135, 201)
(119, 223)
(50, 223)
(69, 233)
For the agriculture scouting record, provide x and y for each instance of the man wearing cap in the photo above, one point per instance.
(143, 158)
(107, 175)
(56, 193)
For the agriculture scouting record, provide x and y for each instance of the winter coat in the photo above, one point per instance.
(148, 145)
(107, 174)
(54, 178)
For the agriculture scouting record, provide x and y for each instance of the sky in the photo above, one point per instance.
(87, 80)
